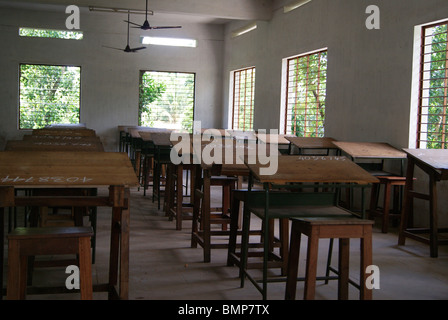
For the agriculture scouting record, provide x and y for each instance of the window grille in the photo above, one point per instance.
(243, 99)
(306, 94)
(432, 129)
(167, 100)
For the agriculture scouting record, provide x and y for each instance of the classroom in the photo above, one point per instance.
(109, 110)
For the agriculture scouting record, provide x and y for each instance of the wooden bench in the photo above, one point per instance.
(25, 242)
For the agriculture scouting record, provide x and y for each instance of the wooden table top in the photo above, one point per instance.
(52, 145)
(65, 169)
(372, 150)
(312, 142)
(43, 138)
(64, 132)
(323, 169)
(437, 159)
(273, 138)
(149, 134)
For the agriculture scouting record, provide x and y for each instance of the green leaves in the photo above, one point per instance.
(167, 99)
(48, 95)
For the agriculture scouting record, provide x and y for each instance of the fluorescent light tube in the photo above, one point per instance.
(294, 5)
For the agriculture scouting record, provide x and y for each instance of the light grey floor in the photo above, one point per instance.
(163, 266)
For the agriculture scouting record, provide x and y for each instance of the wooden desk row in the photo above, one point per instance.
(60, 158)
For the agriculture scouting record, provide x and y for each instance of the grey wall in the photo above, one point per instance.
(369, 71)
(109, 78)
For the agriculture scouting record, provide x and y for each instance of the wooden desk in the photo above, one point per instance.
(312, 143)
(278, 139)
(80, 132)
(335, 170)
(370, 150)
(274, 138)
(434, 162)
(61, 169)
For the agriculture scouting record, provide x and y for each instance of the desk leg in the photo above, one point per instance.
(2, 247)
(7, 199)
(119, 244)
(407, 202)
(433, 221)
(205, 217)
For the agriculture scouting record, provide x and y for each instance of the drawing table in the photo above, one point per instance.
(312, 143)
(434, 162)
(292, 169)
(60, 169)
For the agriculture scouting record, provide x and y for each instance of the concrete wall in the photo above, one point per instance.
(109, 78)
(369, 71)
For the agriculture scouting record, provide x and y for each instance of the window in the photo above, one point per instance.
(49, 33)
(49, 95)
(432, 128)
(243, 99)
(305, 94)
(167, 100)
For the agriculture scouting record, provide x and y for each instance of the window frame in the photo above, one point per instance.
(233, 105)
(142, 72)
(48, 65)
(421, 135)
(284, 109)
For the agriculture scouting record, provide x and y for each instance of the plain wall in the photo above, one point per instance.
(369, 72)
(109, 78)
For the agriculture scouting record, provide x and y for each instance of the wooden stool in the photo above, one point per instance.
(204, 216)
(389, 182)
(342, 228)
(24, 242)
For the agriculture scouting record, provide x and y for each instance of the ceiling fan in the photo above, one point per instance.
(128, 48)
(147, 26)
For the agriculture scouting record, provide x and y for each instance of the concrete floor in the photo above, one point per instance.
(163, 266)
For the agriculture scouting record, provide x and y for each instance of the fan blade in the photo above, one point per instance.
(166, 27)
(139, 48)
(132, 23)
(113, 48)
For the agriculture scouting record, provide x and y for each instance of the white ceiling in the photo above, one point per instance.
(187, 11)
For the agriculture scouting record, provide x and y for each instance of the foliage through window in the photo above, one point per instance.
(167, 100)
(432, 132)
(243, 99)
(306, 95)
(49, 95)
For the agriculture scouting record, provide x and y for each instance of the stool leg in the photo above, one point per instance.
(311, 265)
(373, 200)
(15, 274)
(343, 268)
(293, 262)
(386, 206)
(179, 196)
(85, 269)
(284, 229)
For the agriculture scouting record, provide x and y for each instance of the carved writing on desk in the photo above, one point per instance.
(322, 158)
(17, 179)
(83, 144)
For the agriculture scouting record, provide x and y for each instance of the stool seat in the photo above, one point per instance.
(317, 228)
(24, 242)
